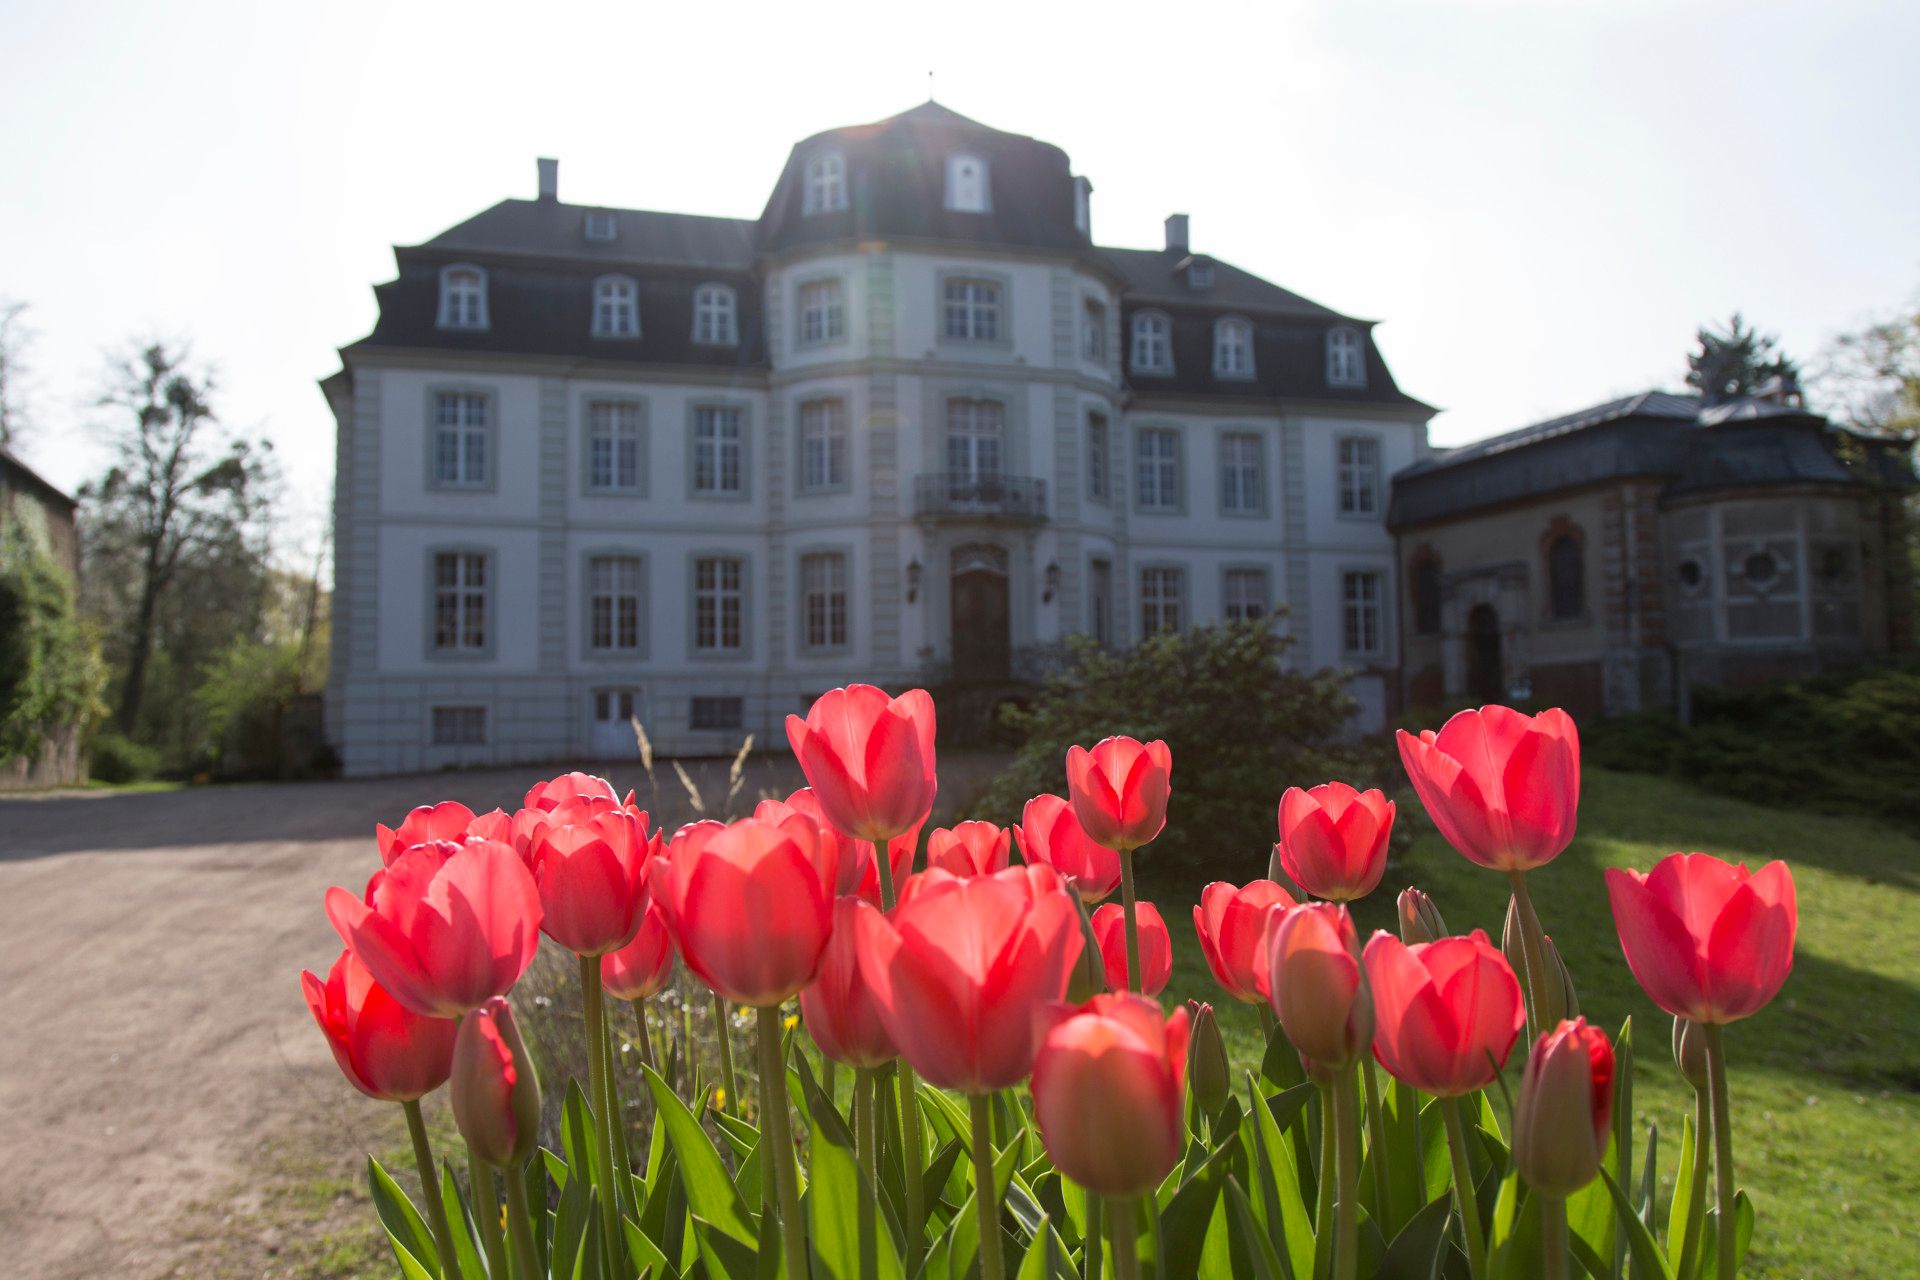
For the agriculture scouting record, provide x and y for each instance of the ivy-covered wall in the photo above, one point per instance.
(51, 672)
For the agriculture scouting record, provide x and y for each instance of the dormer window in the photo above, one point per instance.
(616, 307)
(826, 187)
(714, 315)
(601, 225)
(967, 183)
(463, 298)
(1232, 348)
(1199, 275)
(1152, 343)
(1346, 360)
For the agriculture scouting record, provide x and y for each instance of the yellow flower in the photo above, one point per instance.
(792, 1021)
(719, 1099)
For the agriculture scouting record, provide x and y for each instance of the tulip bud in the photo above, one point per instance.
(1690, 1052)
(1419, 919)
(1550, 1003)
(1564, 1113)
(1275, 872)
(1316, 983)
(495, 1094)
(1207, 1072)
(1557, 971)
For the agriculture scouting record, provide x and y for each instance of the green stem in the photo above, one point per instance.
(430, 1190)
(609, 1197)
(1090, 1268)
(1324, 1230)
(1267, 1024)
(986, 1199)
(486, 1212)
(909, 1108)
(1133, 925)
(1377, 1143)
(1463, 1197)
(1126, 1250)
(723, 1026)
(1346, 1209)
(1553, 1237)
(617, 1129)
(646, 1040)
(1697, 1192)
(1532, 953)
(830, 1079)
(778, 1141)
(1729, 1223)
(865, 1137)
(526, 1259)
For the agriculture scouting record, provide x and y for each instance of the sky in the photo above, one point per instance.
(1539, 200)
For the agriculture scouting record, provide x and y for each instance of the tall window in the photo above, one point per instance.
(1162, 589)
(1566, 578)
(826, 183)
(967, 183)
(719, 464)
(460, 601)
(1241, 485)
(1243, 595)
(1346, 361)
(823, 600)
(1359, 476)
(976, 431)
(714, 315)
(616, 308)
(972, 310)
(1152, 343)
(1232, 348)
(463, 298)
(719, 604)
(1093, 331)
(614, 604)
(1098, 463)
(1360, 613)
(1426, 596)
(823, 312)
(1100, 600)
(1158, 465)
(613, 446)
(461, 433)
(823, 444)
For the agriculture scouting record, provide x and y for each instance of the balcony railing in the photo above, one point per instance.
(959, 496)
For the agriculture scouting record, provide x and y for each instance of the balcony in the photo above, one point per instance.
(959, 496)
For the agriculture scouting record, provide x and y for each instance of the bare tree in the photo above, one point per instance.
(15, 338)
(1872, 377)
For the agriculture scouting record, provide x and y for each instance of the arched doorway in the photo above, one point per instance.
(980, 614)
(1486, 677)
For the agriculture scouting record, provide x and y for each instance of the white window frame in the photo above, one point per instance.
(1233, 348)
(1346, 358)
(463, 296)
(962, 198)
(1099, 457)
(825, 183)
(1163, 599)
(972, 309)
(460, 617)
(975, 444)
(616, 446)
(1152, 347)
(1246, 593)
(716, 312)
(825, 444)
(616, 307)
(821, 312)
(601, 225)
(825, 601)
(1358, 464)
(1159, 482)
(1243, 479)
(1363, 618)
(469, 432)
(616, 604)
(1093, 339)
(717, 451)
(719, 615)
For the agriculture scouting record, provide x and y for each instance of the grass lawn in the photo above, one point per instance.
(1825, 1081)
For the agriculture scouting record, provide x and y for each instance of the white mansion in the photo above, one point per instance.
(910, 424)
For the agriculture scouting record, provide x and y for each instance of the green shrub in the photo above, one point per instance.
(51, 674)
(117, 759)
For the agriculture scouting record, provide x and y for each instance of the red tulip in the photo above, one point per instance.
(1316, 984)
(590, 862)
(1446, 1013)
(1156, 947)
(869, 758)
(447, 820)
(1504, 788)
(445, 926)
(1109, 1085)
(1051, 834)
(851, 858)
(750, 903)
(960, 970)
(495, 1094)
(1564, 1114)
(1119, 790)
(1709, 941)
(571, 788)
(969, 849)
(385, 1050)
(642, 967)
(837, 1007)
(1232, 926)
(1333, 840)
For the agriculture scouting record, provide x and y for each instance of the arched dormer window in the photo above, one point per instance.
(616, 307)
(1346, 358)
(463, 297)
(1232, 348)
(1566, 574)
(826, 184)
(967, 183)
(715, 315)
(1152, 343)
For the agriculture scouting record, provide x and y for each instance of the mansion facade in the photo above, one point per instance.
(912, 424)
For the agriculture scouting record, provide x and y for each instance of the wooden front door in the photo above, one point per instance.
(981, 615)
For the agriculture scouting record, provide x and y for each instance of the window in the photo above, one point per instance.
(1098, 466)
(823, 600)
(717, 713)
(1242, 488)
(463, 298)
(1100, 601)
(975, 432)
(823, 444)
(1159, 469)
(615, 599)
(601, 225)
(714, 315)
(1161, 592)
(972, 310)
(1360, 600)
(462, 431)
(459, 726)
(1083, 206)
(826, 188)
(1359, 476)
(1232, 349)
(1200, 275)
(1243, 595)
(1426, 596)
(1152, 343)
(967, 183)
(719, 604)
(719, 464)
(1346, 362)
(613, 446)
(823, 313)
(1566, 578)
(460, 602)
(616, 308)
(1093, 332)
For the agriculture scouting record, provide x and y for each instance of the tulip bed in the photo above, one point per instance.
(1020, 1103)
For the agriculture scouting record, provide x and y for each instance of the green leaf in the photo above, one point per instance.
(1046, 1257)
(1416, 1249)
(466, 1249)
(1266, 1261)
(1400, 1125)
(647, 1256)
(579, 1135)
(403, 1223)
(1679, 1219)
(1290, 1224)
(710, 1193)
(1742, 1235)
(1185, 1222)
(1518, 1254)
(1648, 1262)
(833, 1208)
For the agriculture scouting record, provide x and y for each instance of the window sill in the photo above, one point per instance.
(822, 491)
(718, 495)
(459, 656)
(1150, 373)
(594, 492)
(719, 655)
(444, 327)
(443, 486)
(609, 656)
(615, 337)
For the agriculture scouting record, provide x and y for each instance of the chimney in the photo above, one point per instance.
(1176, 233)
(549, 178)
